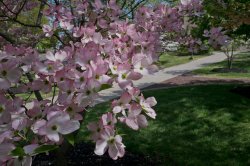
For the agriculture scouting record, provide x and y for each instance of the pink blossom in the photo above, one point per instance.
(48, 68)
(185, 2)
(48, 30)
(122, 104)
(80, 79)
(37, 107)
(59, 123)
(7, 135)
(66, 25)
(98, 71)
(95, 128)
(217, 37)
(42, 84)
(135, 119)
(74, 111)
(89, 93)
(108, 140)
(125, 77)
(5, 149)
(5, 116)
(19, 122)
(9, 73)
(147, 104)
(108, 119)
(67, 92)
(59, 56)
(134, 92)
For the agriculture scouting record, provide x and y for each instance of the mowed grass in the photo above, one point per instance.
(197, 125)
(169, 59)
(241, 61)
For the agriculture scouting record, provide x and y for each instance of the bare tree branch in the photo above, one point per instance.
(132, 8)
(21, 8)
(124, 3)
(40, 13)
(7, 7)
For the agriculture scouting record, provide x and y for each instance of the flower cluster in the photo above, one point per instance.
(217, 37)
(192, 7)
(179, 26)
(100, 49)
(129, 109)
(103, 51)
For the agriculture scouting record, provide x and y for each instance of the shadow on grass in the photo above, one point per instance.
(199, 125)
(241, 61)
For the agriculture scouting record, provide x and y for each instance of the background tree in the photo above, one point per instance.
(234, 17)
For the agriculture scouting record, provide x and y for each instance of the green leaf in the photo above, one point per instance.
(45, 148)
(105, 86)
(18, 152)
(70, 138)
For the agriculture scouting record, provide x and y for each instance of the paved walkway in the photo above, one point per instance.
(164, 75)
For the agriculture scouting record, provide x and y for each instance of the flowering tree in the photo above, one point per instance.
(218, 39)
(180, 35)
(97, 47)
(232, 21)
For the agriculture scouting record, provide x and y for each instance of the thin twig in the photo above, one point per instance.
(54, 94)
(132, 9)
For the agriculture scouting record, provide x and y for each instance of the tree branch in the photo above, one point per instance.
(21, 8)
(40, 13)
(37, 93)
(24, 24)
(7, 7)
(132, 8)
(7, 38)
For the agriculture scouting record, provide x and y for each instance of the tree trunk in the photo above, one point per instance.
(231, 58)
(192, 56)
(61, 154)
(230, 63)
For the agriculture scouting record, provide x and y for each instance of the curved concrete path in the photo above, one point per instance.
(164, 75)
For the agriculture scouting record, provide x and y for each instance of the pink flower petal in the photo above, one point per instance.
(101, 147)
(69, 127)
(113, 151)
(53, 136)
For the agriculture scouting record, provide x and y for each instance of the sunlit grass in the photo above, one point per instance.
(169, 59)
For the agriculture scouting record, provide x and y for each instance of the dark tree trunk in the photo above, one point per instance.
(230, 63)
(61, 154)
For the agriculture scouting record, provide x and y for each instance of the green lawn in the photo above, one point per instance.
(169, 59)
(242, 61)
(197, 125)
